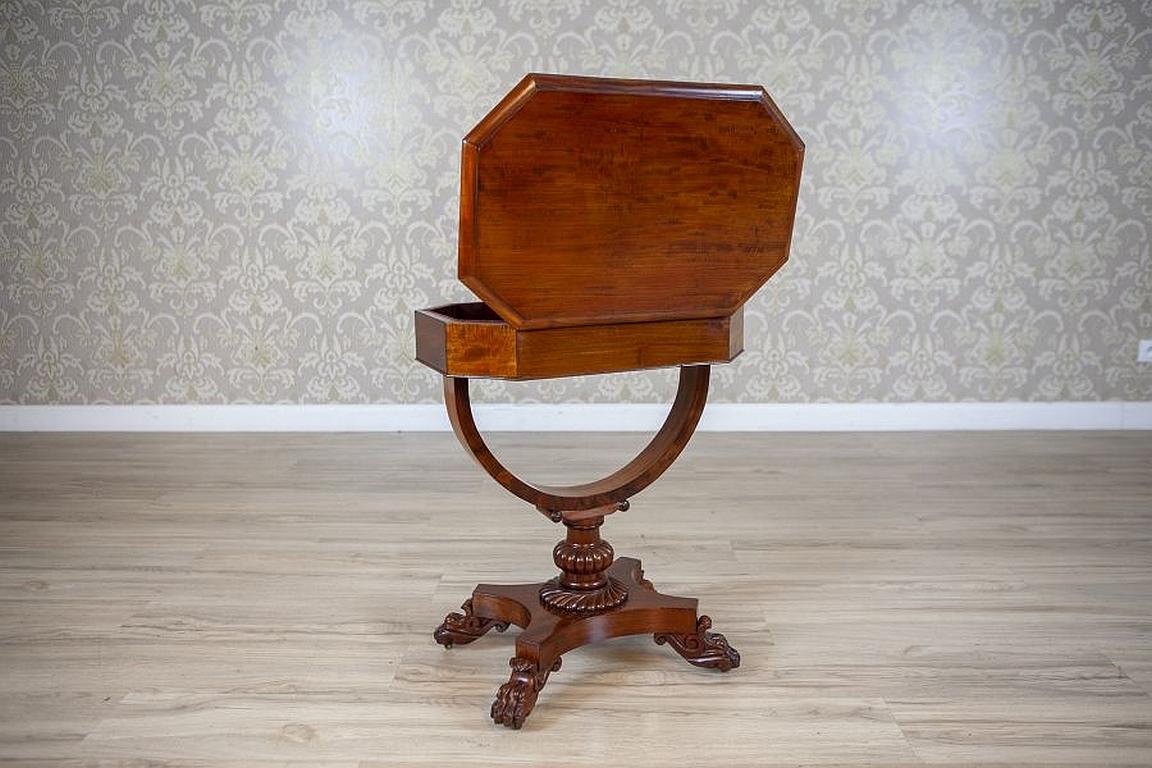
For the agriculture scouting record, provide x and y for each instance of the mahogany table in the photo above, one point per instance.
(607, 225)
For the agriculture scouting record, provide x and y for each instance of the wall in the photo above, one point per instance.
(243, 201)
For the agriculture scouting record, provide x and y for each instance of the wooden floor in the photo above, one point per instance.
(263, 600)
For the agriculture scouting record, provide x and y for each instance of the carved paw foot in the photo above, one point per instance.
(702, 648)
(463, 628)
(515, 699)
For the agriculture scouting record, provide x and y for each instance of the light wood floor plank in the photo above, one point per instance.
(267, 600)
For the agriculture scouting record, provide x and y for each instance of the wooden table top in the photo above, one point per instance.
(590, 201)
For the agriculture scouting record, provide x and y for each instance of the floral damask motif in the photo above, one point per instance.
(177, 191)
(1086, 189)
(632, 388)
(704, 16)
(849, 360)
(1092, 52)
(168, 69)
(261, 350)
(471, 56)
(1131, 147)
(240, 92)
(95, 104)
(624, 40)
(391, 366)
(399, 276)
(1134, 279)
(190, 373)
(403, 162)
(325, 246)
(390, 17)
(999, 283)
(102, 176)
(994, 354)
(248, 185)
(9, 337)
(332, 365)
(784, 50)
(40, 279)
(921, 367)
(860, 17)
(112, 284)
(940, 83)
(850, 284)
(237, 19)
(23, 21)
(85, 20)
(245, 200)
(182, 278)
(51, 371)
(545, 17)
(256, 284)
(121, 348)
(27, 103)
(775, 369)
(856, 149)
(1067, 370)
(1014, 144)
(1018, 16)
(926, 273)
(31, 195)
(1075, 272)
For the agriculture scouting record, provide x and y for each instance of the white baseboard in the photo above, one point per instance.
(718, 417)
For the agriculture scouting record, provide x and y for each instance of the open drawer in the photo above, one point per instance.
(472, 340)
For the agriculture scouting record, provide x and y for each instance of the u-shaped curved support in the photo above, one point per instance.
(633, 477)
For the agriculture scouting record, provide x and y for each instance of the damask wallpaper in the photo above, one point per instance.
(244, 200)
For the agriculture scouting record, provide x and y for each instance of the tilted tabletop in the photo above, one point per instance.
(612, 225)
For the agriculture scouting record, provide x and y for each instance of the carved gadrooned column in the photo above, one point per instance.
(583, 586)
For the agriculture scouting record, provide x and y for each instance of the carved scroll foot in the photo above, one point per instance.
(463, 628)
(515, 699)
(702, 648)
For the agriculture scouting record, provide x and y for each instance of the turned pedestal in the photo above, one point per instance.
(595, 597)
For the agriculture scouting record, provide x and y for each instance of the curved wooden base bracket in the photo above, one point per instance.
(549, 633)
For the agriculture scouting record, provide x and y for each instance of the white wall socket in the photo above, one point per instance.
(1144, 351)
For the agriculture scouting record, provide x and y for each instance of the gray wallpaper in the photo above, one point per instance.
(244, 200)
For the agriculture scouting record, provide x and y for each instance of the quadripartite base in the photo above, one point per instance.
(549, 633)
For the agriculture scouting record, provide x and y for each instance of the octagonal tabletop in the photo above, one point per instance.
(590, 201)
